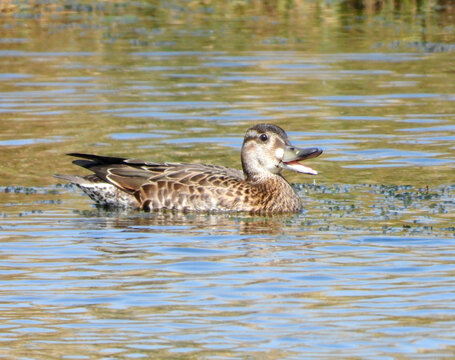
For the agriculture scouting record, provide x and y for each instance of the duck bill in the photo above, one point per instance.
(292, 157)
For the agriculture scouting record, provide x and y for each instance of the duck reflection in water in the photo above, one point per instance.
(191, 223)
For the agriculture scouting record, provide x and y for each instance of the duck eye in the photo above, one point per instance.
(263, 137)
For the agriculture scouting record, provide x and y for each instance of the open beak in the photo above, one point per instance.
(293, 155)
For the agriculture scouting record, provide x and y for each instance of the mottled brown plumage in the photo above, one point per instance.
(259, 188)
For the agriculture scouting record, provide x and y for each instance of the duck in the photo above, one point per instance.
(144, 185)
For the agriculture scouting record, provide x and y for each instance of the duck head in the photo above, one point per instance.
(266, 151)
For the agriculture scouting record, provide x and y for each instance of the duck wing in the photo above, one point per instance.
(167, 185)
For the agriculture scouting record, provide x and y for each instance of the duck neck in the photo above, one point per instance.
(277, 194)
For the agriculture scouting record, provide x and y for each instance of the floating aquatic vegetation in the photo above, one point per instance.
(380, 208)
(424, 46)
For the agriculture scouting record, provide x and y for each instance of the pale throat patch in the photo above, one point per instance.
(279, 153)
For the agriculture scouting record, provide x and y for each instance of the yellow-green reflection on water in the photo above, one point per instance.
(367, 269)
